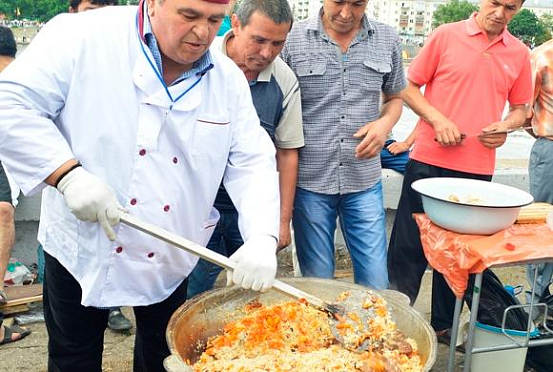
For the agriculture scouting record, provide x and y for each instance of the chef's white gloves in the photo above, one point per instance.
(91, 199)
(256, 263)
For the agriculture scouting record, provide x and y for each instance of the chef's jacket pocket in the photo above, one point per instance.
(211, 136)
(209, 225)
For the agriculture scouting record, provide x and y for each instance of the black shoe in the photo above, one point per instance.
(118, 322)
(444, 337)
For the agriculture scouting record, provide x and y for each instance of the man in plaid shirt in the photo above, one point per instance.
(350, 73)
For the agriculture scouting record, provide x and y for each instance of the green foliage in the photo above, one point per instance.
(41, 10)
(527, 27)
(453, 11)
(547, 21)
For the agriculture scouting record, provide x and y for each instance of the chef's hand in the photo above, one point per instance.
(90, 199)
(256, 264)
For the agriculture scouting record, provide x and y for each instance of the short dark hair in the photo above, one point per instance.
(74, 4)
(277, 11)
(8, 46)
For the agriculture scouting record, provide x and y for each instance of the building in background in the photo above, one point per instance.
(411, 18)
(539, 7)
(303, 9)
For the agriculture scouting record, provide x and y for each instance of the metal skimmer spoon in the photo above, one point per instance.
(340, 313)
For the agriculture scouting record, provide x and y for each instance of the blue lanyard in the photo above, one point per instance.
(153, 66)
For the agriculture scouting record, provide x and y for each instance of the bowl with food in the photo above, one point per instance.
(470, 206)
(231, 329)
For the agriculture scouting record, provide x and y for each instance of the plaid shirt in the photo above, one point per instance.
(340, 93)
(542, 72)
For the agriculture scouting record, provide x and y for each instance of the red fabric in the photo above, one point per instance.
(456, 255)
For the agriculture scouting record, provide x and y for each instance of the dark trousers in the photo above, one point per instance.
(76, 332)
(406, 260)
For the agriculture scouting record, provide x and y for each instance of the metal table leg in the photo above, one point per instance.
(454, 333)
(472, 322)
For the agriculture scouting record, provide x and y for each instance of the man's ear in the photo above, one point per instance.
(151, 5)
(235, 23)
(71, 10)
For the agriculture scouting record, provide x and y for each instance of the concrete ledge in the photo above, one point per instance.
(28, 208)
(392, 182)
(27, 213)
(516, 177)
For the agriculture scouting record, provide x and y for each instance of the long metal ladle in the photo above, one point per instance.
(338, 312)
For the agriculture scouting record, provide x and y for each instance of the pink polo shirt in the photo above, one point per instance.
(468, 79)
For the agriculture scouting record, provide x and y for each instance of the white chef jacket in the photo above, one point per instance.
(84, 89)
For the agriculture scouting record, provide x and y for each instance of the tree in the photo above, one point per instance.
(47, 9)
(453, 11)
(8, 7)
(547, 20)
(527, 27)
(41, 10)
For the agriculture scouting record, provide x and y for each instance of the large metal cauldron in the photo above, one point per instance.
(204, 316)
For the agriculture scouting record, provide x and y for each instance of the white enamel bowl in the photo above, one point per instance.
(483, 208)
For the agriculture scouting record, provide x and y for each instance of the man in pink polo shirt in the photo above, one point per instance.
(469, 69)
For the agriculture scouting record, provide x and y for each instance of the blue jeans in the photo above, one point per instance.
(363, 224)
(226, 239)
(391, 161)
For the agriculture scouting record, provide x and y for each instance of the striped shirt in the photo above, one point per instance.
(340, 93)
(542, 72)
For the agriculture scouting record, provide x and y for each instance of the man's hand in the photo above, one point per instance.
(447, 133)
(90, 199)
(256, 264)
(491, 140)
(397, 147)
(373, 136)
(284, 236)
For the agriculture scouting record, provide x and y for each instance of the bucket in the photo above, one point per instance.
(511, 360)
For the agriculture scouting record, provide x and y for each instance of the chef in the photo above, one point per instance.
(126, 108)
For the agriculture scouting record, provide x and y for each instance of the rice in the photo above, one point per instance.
(292, 336)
